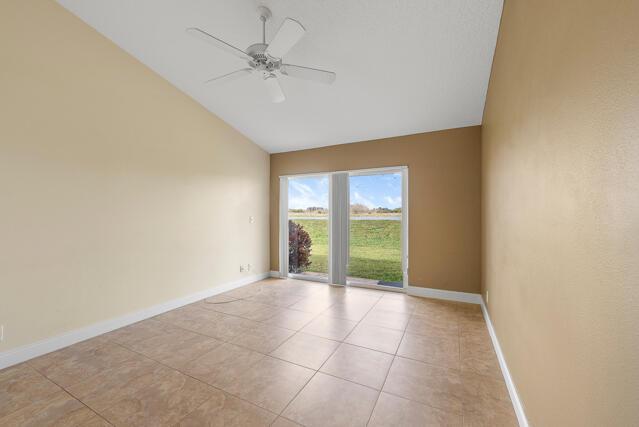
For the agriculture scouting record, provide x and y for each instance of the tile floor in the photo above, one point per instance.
(276, 352)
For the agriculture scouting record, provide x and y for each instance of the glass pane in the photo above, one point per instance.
(375, 246)
(308, 226)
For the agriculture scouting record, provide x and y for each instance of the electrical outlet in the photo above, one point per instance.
(248, 267)
(251, 220)
(241, 268)
(1, 333)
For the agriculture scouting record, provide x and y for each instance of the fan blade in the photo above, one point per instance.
(220, 44)
(225, 78)
(289, 33)
(274, 89)
(313, 74)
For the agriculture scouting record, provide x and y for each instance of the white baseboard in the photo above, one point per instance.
(29, 351)
(512, 390)
(274, 274)
(442, 294)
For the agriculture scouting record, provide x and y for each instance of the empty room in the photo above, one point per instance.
(319, 213)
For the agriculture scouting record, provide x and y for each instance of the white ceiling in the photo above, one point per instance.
(403, 66)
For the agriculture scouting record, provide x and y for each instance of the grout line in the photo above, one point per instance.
(411, 314)
(231, 343)
(126, 346)
(61, 390)
(328, 358)
(194, 378)
(389, 368)
(64, 389)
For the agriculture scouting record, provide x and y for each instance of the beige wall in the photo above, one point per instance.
(444, 197)
(561, 208)
(118, 192)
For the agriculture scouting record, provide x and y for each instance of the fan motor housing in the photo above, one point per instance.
(261, 61)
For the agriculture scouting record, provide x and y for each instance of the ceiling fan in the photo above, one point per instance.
(264, 59)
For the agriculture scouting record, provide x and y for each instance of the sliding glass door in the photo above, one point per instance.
(308, 218)
(345, 227)
(375, 231)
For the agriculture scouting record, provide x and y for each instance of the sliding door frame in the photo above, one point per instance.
(284, 228)
(337, 198)
(403, 170)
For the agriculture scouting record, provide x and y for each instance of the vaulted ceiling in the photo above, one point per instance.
(403, 66)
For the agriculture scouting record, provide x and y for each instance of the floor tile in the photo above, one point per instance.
(210, 323)
(221, 366)
(432, 385)
(329, 327)
(387, 319)
(176, 349)
(245, 292)
(349, 311)
(283, 422)
(224, 410)
(313, 304)
(59, 409)
(329, 401)
(262, 313)
(397, 305)
(96, 421)
(140, 331)
(103, 390)
(270, 383)
(482, 363)
(21, 386)
(360, 365)
(190, 312)
(263, 338)
(362, 296)
(476, 328)
(49, 360)
(491, 413)
(395, 411)
(435, 350)
(234, 307)
(306, 350)
(375, 338)
(478, 387)
(472, 344)
(68, 366)
(218, 299)
(165, 402)
(272, 369)
(477, 352)
(280, 299)
(437, 309)
(433, 327)
(291, 319)
(329, 291)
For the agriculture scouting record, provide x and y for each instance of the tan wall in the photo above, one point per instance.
(561, 208)
(444, 198)
(118, 192)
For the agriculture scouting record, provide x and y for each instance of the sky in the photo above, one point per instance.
(372, 191)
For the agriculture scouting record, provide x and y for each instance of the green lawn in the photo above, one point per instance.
(375, 248)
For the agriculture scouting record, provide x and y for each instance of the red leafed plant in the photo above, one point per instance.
(299, 248)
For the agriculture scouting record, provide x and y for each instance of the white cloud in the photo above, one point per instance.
(358, 198)
(302, 196)
(393, 202)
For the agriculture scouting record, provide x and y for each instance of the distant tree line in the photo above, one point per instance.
(356, 208)
(310, 210)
